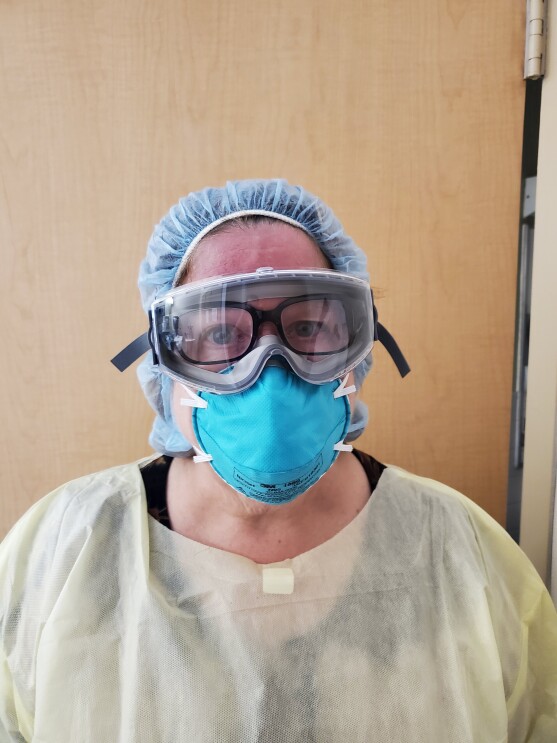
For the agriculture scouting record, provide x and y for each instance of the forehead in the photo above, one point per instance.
(247, 248)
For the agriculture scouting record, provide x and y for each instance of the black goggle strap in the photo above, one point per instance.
(132, 352)
(136, 348)
(387, 340)
(141, 345)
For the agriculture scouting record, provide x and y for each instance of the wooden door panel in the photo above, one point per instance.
(405, 117)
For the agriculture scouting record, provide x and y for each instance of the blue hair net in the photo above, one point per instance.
(183, 224)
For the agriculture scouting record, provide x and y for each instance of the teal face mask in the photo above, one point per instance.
(275, 439)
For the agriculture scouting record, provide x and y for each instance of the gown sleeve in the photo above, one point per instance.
(525, 628)
(28, 588)
(13, 717)
(15, 720)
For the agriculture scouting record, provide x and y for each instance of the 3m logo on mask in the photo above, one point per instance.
(277, 492)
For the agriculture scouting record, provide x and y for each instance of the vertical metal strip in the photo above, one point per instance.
(519, 390)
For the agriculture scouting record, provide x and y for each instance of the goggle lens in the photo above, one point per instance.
(315, 326)
(221, 334)
(214, 335)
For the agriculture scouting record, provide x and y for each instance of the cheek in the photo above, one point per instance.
(182, 414)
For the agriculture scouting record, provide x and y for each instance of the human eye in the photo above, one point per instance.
(304, 329)
(314, 326)
(222, 335)
(215, 334)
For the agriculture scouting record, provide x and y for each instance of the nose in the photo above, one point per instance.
(267, 328)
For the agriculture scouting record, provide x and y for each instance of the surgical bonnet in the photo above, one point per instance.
(194, 214)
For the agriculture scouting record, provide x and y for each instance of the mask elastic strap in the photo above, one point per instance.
(200, 456)
(341, 391)
(193, 401)
(341, 446)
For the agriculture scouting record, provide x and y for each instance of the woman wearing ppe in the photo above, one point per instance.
(258, 579)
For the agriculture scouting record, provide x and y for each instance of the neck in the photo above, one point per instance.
(205, 508)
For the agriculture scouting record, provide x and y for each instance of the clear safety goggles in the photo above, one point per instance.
(218, 334)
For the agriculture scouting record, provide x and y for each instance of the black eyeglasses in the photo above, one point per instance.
(217, 333)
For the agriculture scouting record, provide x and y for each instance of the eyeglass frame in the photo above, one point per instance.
(258, 318)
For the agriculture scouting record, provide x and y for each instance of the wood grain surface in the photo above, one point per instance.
(405, 117)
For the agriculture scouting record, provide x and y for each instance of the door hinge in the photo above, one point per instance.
(534, 48)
